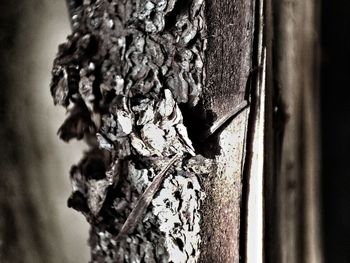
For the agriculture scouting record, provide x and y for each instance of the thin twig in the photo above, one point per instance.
(222, 122)
(144, 201)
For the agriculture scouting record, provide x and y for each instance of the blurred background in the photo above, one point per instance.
(35, 223)
(34, 164)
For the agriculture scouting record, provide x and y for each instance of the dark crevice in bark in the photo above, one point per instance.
(172, 17)
(137, 62)
(198, 120)
(228, 66)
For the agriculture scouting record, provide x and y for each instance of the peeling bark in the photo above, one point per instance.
(122, 75)
(140, 89)
(164, 101)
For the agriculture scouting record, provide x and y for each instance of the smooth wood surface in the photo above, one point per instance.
(292, 171)
(230, 26)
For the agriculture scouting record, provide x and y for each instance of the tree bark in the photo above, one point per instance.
(132, 73)
(99, 81)
(252, 140)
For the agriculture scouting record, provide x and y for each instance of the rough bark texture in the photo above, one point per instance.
(131, 76)
(122, 75)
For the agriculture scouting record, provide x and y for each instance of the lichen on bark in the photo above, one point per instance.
(122, 75)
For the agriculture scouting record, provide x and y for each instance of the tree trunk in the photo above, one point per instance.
(229, 63)
(131, 70)
(193, 157)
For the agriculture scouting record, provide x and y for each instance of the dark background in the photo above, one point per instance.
(335, 116)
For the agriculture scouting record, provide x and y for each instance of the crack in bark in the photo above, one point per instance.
(122, 75)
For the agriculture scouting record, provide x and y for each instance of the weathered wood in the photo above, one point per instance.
(229, 53)
(229, 60)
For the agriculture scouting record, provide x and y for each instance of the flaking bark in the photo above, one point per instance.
(122, 75)
(139, 88)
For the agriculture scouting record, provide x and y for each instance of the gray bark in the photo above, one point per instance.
(122, 75)
(133, 72)
(110, 54)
